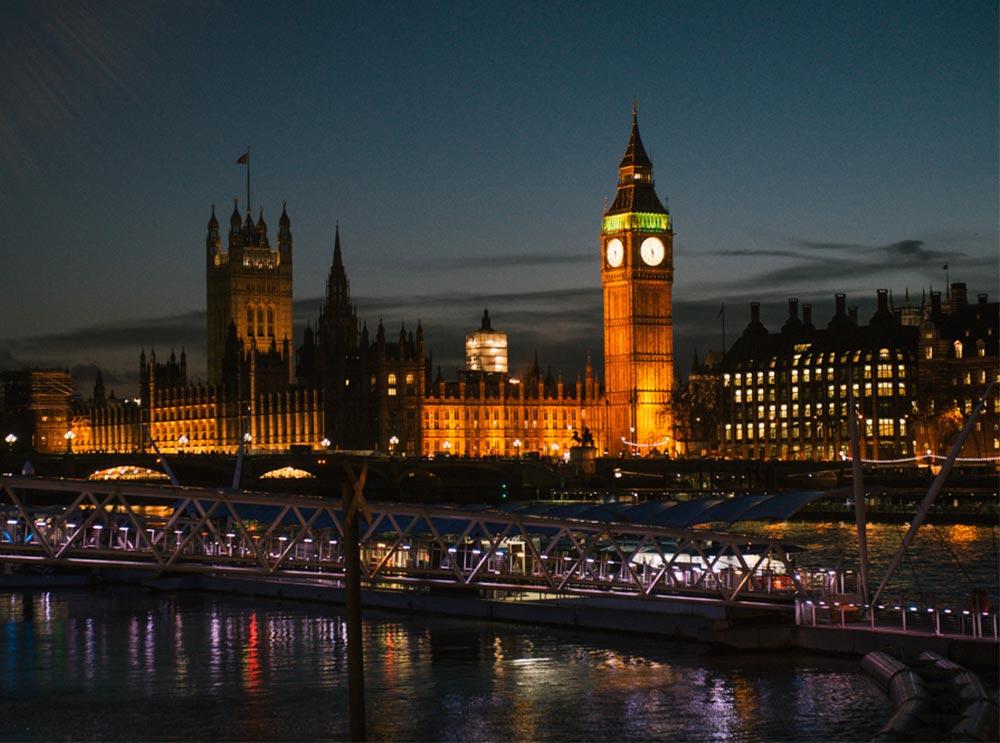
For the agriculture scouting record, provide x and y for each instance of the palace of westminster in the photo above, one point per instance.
(915, 371)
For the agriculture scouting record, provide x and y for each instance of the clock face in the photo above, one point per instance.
(615, 253)
(652, 251)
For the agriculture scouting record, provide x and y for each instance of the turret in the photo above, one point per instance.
(262, 240)
(285, 235)
(234, 225)
(213, 242)
(100, 399)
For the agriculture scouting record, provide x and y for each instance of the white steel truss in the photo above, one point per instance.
(169, 529)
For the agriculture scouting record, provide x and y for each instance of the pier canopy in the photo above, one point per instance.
(678, 514)
(668, 514)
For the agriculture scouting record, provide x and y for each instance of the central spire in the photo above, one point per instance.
(635, 154)
(635, 178)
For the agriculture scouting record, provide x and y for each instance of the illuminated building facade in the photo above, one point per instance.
(915, 374)
(959, 355)
(637, 277)
(785, 394)
(37, 411)
(493, 415)
(249, 287)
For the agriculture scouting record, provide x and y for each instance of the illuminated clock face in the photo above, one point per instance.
(652, 251)
(615, 253)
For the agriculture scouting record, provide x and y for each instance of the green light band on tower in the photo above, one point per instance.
(644, 221)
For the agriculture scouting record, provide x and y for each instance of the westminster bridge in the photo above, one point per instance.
(441, 479)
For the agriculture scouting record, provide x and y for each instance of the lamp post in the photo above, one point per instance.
(393, 441)
(11, 439)
(325, 443)
(69, 436)
(182, 441)
(447, 448)
(517, 448)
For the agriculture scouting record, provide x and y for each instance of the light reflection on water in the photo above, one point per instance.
(944, 564)
(134, 665)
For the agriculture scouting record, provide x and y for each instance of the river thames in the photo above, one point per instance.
(123, 663)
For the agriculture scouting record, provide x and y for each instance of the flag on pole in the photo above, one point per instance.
(244, 158)
(945, 267)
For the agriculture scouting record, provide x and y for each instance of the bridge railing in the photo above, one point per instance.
(899, 618)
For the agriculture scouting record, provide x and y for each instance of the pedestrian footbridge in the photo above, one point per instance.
(172, 530)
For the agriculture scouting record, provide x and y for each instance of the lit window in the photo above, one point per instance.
(958, 349)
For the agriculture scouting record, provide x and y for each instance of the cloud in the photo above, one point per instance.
(756, 253)
(180, 331)
(820, 268)
(514, 260)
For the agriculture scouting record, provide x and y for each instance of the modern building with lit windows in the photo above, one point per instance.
(915, 374)
(785, 394)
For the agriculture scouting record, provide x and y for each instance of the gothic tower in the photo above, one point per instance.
(249, 285)
(637, 273)
(343, 364)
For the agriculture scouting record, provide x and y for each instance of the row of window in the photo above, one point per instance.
(887, 428)
(884, 389)
(884, 371)
(567, 417)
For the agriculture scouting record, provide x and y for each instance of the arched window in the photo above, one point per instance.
(260, 321)
(958, 349)
(249, 320)
(270, 322)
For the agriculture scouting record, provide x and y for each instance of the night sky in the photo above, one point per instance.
(467, 150)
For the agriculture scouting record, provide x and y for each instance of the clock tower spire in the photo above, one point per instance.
(637, 273)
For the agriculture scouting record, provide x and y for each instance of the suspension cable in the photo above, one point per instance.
(909, 562)
(954, 557)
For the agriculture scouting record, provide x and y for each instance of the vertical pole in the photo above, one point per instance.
(860, 517)
(352, 595)
(932, 492)
(249, 205)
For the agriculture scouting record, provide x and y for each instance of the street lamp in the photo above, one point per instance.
(69, 436)
(393, 441)
(517, 448)
(183, 440)
(325, 443)
(447, 448)
(11, 439)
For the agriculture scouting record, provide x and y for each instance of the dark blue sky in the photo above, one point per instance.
(467, 149)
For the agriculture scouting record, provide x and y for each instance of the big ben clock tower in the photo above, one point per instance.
(637, 273)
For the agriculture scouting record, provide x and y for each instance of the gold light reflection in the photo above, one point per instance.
(128, 472)
(288, 473)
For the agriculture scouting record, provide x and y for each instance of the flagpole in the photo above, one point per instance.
(249, 207)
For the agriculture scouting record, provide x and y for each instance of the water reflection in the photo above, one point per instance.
(945, 563)
(87, 665)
